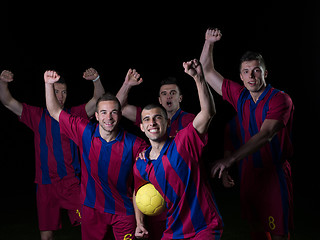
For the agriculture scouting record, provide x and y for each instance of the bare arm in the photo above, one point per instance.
(5, 96)
(53, 106)
(92, 75)
(214, 78)
(132, 79)
(268, 130)
(141, 231)
(207, 106)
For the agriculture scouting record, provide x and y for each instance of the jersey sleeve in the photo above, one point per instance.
(280, 108)
(139, 181)
(72, 126)
(138, 116)
(31, 116)
(231, 92)
(79, 111)
(190, 143)
(139, 146)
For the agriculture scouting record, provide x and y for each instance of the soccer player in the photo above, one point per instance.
(57, 164)
(174, 167)
(107, 157)
(170, 98)
(265, 116)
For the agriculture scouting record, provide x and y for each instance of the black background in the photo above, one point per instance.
(155, 38)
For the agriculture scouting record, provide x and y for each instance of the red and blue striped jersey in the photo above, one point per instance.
(180, 120)
(266, 174)
(56, 156)
(178, 175)
(272, 104)
(106, 167)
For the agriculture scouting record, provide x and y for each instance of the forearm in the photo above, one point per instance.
(128, 111)
(97, 93)
(207, 107)
(52, 102)
(253, 145)
(207, 104)
(138, 214)
(214, 78)
(123, 94)
(8, 101)
(206, 58)
(98, 89)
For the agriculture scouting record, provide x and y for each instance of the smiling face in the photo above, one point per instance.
(154, 124)
(108, 115)
(253, 76)
(170, 97)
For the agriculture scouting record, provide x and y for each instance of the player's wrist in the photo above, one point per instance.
(96, 79)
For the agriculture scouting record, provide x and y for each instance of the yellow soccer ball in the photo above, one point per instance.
(149, 200)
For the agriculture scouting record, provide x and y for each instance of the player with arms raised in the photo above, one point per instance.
(265, 115)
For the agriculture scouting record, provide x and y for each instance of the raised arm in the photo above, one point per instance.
(53, 106)
(207, 106)
(214, 78)
(92, 75)
(5, 96)
(132, 79)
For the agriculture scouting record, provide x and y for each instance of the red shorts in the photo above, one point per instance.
(266, 199)
(98, 225)
(51, 198)
(208, 233)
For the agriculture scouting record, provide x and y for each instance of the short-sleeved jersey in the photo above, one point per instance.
(232, 135)
(266, 188)
(56, 156)
(106, 167)
(177, 175)
(272, 104)
(180, 120)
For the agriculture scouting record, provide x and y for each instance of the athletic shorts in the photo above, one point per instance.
(98, 225)
(266, 198)
(52, 198)
(206, 234)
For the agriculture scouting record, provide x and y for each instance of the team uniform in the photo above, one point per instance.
(106, 178)
(266, 185)
(57, 167)
(178, 176)
(157, 224)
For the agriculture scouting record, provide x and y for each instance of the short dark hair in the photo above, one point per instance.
(61, 80)
(154, 105)
(250, 56)
(108, 97)
(170, 80)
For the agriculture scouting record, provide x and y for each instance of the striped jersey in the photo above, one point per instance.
(180, 120)
(106, 167)
(178, 176)
(266, 184)
(272, 104)
(56, 156)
